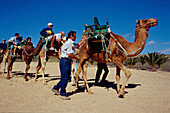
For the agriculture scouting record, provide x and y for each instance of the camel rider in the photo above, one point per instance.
(47, 33)
(16, 41)
(3, 47)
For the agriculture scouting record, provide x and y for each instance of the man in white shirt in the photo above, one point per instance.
(67, 53)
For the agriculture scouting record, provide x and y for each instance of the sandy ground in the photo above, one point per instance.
(146, 92)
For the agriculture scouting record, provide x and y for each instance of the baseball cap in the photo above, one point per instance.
(50, 24)
(4, 40)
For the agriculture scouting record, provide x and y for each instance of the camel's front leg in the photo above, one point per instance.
(85, 77)
(9, 68)
(77, 74)
(27, 68)
(127, 73)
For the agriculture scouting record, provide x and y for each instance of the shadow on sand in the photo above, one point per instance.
(107, 85)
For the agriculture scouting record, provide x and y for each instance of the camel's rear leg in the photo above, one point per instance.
(37, 70)
(43, 64)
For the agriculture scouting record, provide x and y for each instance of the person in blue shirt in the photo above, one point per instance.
(48, 33)
(16, 41)
(3, 47)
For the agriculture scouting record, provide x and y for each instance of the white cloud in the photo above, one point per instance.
(167, 43)
(150, 42)
(165, 51)
(127, 35)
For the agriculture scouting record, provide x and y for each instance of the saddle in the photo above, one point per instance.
(48, 44)
(10, 46)
(98, 36)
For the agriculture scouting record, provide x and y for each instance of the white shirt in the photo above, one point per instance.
(14, 39)
(68, 48)
(58, 35)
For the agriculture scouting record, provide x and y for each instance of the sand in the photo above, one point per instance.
(146, 92)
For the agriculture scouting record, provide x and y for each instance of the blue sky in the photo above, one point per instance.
(29, 17)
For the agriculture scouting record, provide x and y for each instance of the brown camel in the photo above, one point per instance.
(27, 54)
(120, 49)
(4, 60)
(42, 60)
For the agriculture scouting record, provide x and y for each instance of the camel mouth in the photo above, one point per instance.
(152, 22)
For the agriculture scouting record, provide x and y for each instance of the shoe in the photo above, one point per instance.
(103, 82)
(56, 50)
(16, 55)
(96, 84)
(65, 98)
(56, 92)
(52, 48)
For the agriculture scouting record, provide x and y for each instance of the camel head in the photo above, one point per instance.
(146, 23)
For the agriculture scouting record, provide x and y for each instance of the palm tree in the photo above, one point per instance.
(161, 60)
(152, 59)
(142, 59)
(131, 62)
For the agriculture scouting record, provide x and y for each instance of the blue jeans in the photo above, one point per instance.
(65, 69)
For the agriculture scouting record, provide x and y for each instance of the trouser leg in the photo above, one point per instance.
(105, 73)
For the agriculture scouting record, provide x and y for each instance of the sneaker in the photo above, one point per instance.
(56, 50)
(65, 98)
(56, 92)
(103, 82)
(96, 84)
(52, 48)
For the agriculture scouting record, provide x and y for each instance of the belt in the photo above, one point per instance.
(66, 58)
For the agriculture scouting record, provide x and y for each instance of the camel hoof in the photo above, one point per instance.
(26, 79)
(45, 83)
(8, 77)
(35, 80)
(90, 92)
(121, 96)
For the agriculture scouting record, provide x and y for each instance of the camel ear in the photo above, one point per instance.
(137, 21)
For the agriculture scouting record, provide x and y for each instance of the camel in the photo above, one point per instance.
(42, 60)
(4, 60)
(120, 49)
(27, 55)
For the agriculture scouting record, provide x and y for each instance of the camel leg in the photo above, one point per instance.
(84, 76)
(43, 64)
(72, 77)
(118, 78)
(127, 73)
(27, 68)
(37, 69)
(5, 58)
(77, 74)
(9, 68)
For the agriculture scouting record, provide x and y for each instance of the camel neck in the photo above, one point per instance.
(138, 45)
(38, 48)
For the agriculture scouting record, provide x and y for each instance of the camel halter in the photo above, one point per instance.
(26, 52)
(124, 50)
